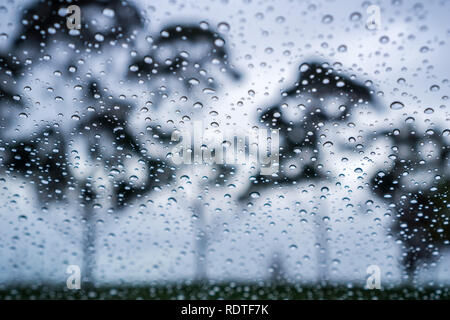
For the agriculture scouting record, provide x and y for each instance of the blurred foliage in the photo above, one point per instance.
(300, 138)
(233, 291)
(421, 206)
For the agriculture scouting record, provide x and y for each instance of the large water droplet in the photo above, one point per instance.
(397, 105)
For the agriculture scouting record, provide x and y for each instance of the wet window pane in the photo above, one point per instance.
(224, 149)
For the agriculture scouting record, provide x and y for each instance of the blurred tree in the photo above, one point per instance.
(44, 156)
(11, 103)
(187, 61)
(116, 161)
(414, 182)
(321, 97)
(104, 23)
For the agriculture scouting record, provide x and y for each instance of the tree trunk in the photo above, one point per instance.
(201, 243)
(322, 245)
(89, 236)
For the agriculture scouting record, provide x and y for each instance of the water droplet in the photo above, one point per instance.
(327, 19)
(254, 195)
(434, 88)
(342, 48)
(223, 27)
(384, 39)
(355, 16)
(410, 120)
(397, 105)
(99, 37)
(198, 105)
(108, 12)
